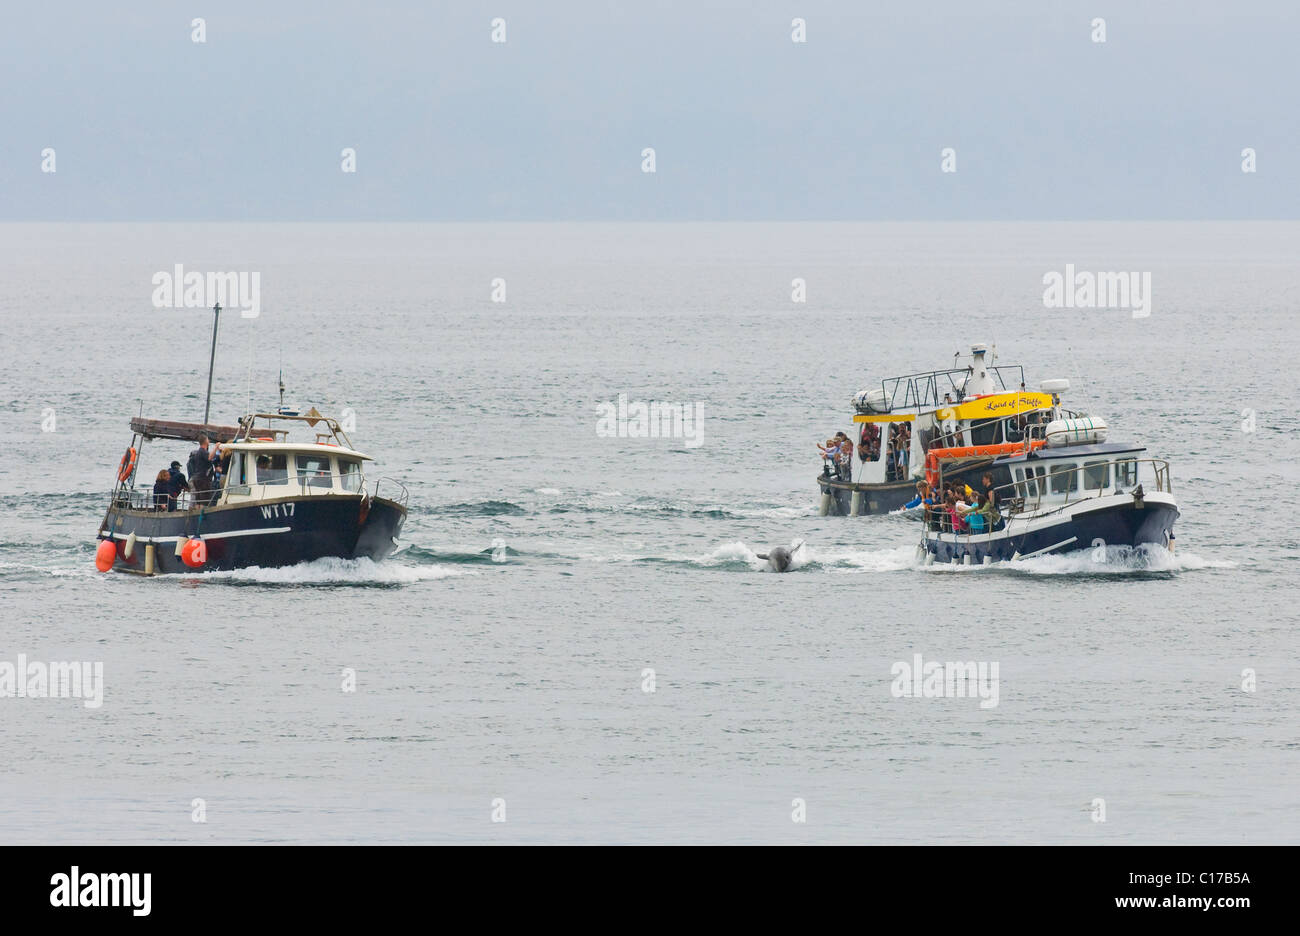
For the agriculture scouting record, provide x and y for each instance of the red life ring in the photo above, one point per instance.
(127, 465)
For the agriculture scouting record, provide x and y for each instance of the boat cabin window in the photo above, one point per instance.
(273, 469)
(350, 474)
(1029, 481)
(1126, 473)
(1096, 475)
(1064, 478)
(984, 431)
(314, 471)
(237, 473)
(951, 434)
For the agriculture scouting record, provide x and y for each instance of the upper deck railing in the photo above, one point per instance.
(249, 429)
(929, 388)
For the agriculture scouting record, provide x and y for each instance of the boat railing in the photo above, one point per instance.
(250, 430)
(393, 490)
(929, 388)
(125, 498)
(1015, 499)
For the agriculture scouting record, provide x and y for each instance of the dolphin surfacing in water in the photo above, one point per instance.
(779, 559)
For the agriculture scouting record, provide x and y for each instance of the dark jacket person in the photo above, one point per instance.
(176, 485)
(161, 487)
(200, 469)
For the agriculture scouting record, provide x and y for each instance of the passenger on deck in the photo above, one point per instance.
(829, 451)
(200, 469)
(899, 441)
(923, 496)
(220, 462)
(869, 442)
(161, 489)
(176, 485)
(978, 515)
(844, 458)
(986, 485)
(956, 520)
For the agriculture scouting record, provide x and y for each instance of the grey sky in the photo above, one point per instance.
(746, 124)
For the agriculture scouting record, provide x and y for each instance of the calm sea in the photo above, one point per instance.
(502, 657)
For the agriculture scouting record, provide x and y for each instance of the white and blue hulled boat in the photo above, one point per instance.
(1076, 491)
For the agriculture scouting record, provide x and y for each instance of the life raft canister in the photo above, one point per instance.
(127, 465)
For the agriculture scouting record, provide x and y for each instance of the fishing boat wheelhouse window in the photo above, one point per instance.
(1096, 475)
(350, 474)
(314, 471)
(1065, 478)
(273, 468)
(1126, 473)
(237, 474)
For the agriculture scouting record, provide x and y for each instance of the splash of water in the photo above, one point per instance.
(331, 571)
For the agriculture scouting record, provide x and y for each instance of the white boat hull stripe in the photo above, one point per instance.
(202, 536)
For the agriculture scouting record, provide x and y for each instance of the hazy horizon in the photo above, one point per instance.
(550, 125)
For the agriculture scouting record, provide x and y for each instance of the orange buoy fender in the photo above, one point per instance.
(194, 553)
(105, 555)
(127, 465)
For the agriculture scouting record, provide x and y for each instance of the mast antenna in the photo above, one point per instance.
(212, 359)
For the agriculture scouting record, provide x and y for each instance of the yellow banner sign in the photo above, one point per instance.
(997, 405)
(994, 406)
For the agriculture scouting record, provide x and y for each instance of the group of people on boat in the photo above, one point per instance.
(837, 457)
(837, 453)
(207, 465)
(956, 507)
(900, 451)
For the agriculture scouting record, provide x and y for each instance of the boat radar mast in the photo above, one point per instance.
(283, 410)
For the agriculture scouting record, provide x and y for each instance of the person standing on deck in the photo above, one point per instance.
(844, 458)
(200, 469)
(175, 485)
